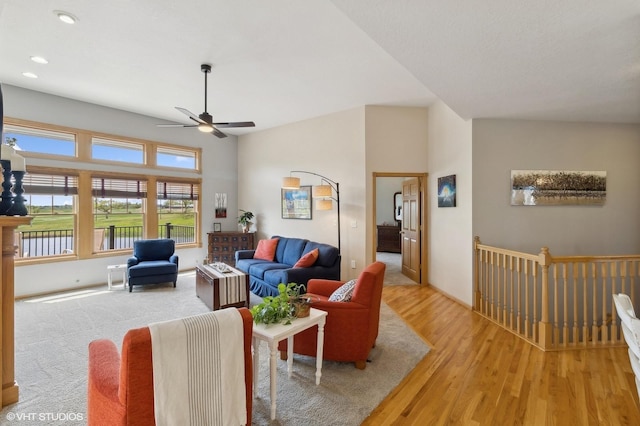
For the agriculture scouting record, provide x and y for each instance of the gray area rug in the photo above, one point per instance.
(53, 333)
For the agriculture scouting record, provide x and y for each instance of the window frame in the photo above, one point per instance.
(43, 131)
(85, 168)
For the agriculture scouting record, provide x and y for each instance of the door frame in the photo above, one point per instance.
(424, 266)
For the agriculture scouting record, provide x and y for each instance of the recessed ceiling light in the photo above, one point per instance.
(39, 60)
(65, 17)
(29, 74)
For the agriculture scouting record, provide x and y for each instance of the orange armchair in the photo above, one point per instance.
(352, 327)
(120, 390)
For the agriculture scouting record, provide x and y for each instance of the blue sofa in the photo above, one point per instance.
(153, 261)
(265, 276)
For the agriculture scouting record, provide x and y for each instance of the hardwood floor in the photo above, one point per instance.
(479, 374)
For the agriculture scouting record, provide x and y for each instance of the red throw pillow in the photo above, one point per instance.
(308, 259)
(266, 249)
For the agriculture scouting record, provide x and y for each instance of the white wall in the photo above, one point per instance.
(332, 146)
(386, 187)
(449, 230)
(500, 146)
(219, 157)
(396, 142)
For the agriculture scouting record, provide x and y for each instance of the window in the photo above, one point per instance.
(177, 210)
(124, 152)
(118, 211)
(40, 141)
(170, 157)
(50, 199)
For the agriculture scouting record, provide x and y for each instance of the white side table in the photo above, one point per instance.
(113, 268)
(274, 333)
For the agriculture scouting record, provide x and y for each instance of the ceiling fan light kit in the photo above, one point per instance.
(204, 122)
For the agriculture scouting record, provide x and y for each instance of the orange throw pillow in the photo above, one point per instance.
(266, 249)
(308, 259)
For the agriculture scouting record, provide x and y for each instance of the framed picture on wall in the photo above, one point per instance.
(221, 205)
(296, 203)
(217, 227)
(447, 191)
(558, 187)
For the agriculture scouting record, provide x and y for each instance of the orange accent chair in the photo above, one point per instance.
(352, 327)
(120, 390)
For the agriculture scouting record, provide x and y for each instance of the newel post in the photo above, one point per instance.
(477, 295)
(544, 327)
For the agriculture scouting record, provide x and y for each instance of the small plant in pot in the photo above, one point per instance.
(299, 301)
(245, 220)
(280, 309)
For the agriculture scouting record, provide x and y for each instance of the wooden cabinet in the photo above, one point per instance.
(389, 238)
(224, 245)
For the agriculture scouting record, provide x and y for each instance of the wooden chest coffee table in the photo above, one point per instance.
(222, 289)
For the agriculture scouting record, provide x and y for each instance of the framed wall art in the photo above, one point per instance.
(217, 227)
(558, 187)
(221, 205)
(447, 191)
(296, 203)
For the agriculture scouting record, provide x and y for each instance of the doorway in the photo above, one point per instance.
(401, 246)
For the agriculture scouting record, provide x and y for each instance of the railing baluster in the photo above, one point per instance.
(603, 335)
(526, 299)
(519, 311)
(565, 308)
(512, 324)
(576, 308)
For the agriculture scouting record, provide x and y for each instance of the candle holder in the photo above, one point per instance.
(18, 208)
(6, 197)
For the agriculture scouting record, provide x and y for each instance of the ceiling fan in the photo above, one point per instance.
(204, 121)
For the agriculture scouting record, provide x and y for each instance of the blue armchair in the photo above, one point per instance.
(153, 261)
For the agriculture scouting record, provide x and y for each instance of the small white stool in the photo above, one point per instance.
(112, 268)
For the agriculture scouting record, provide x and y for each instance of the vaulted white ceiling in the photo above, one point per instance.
(281, 61)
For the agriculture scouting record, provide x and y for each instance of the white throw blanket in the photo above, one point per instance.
(198, 370)
(232, 285)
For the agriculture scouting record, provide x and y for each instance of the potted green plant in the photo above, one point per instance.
(281, 308)
(245, 220)
(300, 303)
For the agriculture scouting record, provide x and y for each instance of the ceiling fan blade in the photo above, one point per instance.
(236, 124)
(218, 133)
(176, 125)
(190, 115)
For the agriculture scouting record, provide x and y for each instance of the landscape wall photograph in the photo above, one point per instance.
(558, 187)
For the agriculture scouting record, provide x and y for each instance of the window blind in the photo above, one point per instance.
(118, 188)
(178, 191)
(42, 184)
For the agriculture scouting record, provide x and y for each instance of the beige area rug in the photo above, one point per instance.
(53, 332)
(393, 273)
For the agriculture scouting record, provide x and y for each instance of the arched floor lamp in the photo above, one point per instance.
(323, 192)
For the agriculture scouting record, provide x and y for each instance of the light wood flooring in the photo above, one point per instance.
(479, 374)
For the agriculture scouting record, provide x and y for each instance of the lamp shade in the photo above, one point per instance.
(321, 191)
(324, 204)
(291, 182)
